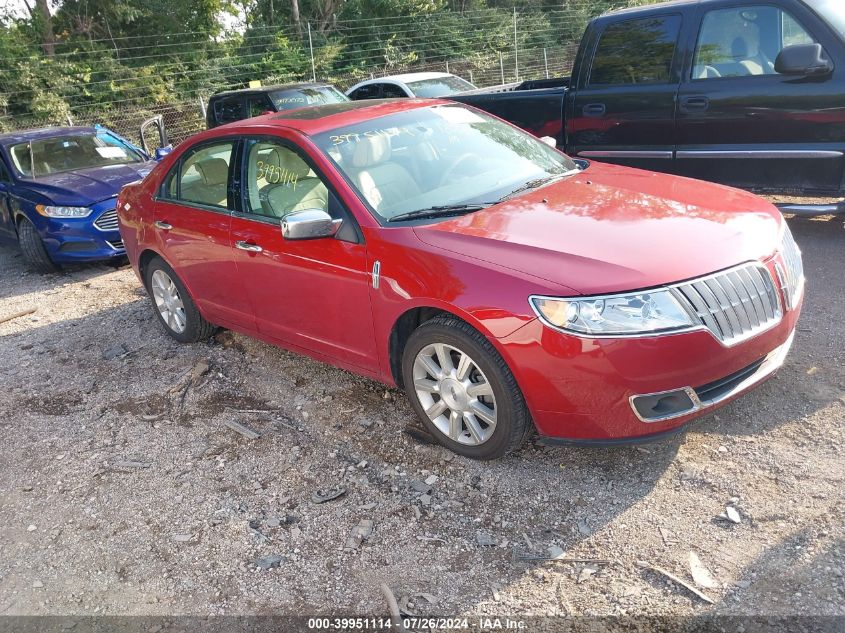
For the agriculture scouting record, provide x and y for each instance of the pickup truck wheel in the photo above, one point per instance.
(174, 307)
(33, 249)
(462, 390)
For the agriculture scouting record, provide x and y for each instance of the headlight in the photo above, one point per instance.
(62, 212)
(614, 315)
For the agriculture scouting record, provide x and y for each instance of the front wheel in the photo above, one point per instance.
(462, 390)
(175, 309)
(33, 249)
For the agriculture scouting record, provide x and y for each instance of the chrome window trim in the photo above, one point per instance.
(668, 154)
(758, 153)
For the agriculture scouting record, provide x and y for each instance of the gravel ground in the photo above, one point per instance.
(124, 492)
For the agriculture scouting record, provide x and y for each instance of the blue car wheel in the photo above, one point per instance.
(33, 248)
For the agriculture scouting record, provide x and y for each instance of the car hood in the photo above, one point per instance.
(85, 187)
(610, 229)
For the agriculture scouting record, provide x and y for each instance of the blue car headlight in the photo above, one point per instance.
(49, 211)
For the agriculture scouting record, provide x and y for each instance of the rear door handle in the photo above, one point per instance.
(164, 226)
(246, 246)
(594, 109)
(695, 104)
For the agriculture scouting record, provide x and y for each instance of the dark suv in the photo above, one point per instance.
(234, 105)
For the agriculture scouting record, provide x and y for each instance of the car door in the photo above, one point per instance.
(193, 214)
(740, 122)
(310, 294)
(624, 105)
(7, 223)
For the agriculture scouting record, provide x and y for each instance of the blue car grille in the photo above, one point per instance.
(107, 221)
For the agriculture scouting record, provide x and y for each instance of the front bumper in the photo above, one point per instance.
(585, 389)
(88, 239)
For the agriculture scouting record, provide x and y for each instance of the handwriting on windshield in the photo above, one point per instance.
(354, 137)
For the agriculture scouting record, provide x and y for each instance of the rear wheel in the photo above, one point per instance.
(462, 390)
(174, 307)
(33, 249)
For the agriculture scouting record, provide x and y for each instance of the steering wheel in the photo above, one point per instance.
(453, 166)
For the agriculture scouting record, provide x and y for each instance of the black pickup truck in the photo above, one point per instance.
(742, 92)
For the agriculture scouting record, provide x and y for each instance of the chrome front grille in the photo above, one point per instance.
(791, 274)
(735, 304)
(116, 245)
(107, 221)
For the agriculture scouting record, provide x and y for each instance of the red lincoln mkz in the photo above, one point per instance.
(500, 283)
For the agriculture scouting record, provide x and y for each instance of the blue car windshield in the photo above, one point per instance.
(56, 154)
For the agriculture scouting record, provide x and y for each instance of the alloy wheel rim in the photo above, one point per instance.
(455, 394)
(169, 301)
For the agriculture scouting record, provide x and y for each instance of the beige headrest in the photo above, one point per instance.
(370, 151)
(214, 171)
(291, 163)
(268, 157)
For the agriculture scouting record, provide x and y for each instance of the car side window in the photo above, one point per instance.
(4, 174)
(370, 91)
(744, 41)
(229, 109)
(279, 181)
(202, 176)
(258, 105)
(636, 52)
(392, 91)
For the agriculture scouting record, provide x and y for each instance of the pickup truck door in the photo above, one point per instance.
(623, 107)
(741, 123)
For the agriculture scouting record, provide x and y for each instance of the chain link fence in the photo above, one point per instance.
(146, 79)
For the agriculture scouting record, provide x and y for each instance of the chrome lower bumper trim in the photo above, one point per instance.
(773, 361)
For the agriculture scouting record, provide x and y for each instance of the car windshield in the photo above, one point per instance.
(833, 11)
(439, 156)
(300, 97)
(439, 86)
(45, 156)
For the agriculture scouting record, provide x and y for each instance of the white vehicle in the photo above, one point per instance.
(409, 85)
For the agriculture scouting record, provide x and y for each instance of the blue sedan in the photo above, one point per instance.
(58, 190)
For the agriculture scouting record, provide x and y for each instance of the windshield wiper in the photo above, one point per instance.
(438, 211)
(538, 182)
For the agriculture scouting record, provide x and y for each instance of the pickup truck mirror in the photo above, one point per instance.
(549, 140)
(803, 59)
(309, 224)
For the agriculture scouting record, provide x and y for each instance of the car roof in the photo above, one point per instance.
(649, 8)
(317, 119)
(405, 78)
(274, 88)
(22, 136)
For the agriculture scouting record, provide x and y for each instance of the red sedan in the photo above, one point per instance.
(503, 285)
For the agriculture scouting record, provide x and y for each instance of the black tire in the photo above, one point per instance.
(196, 327)
(33, 249)
(513, 422)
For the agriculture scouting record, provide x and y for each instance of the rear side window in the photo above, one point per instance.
(744, 41)
(392, 91)
(228, 110)
(370, 91)
(202, 176)
(636, 52)
(258, 105)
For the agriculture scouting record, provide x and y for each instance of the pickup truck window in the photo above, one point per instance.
(832, 12)
(228, 110)
(744, 41)
(636, 52)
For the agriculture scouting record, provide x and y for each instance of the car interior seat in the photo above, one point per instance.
(293, 186)
(211, 186)
(383, 183)
(746, 52)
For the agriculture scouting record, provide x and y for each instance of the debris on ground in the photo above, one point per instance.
(247, 432)
(701, 575)
(321, 496)
(676, 580)
(269, 562)
(359, 534)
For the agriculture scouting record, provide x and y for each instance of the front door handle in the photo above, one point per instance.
(695, 104)
(246, 246)
(594, 109)
(164, 226)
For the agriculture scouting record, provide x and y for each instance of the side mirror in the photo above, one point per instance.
(803, 59)
(549, 140)
(309, 224)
